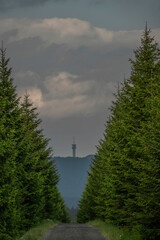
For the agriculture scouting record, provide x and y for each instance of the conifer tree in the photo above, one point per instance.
(38, 173)
(32, 158)
(9, 120)
(146, 69)
(141, 96)
(125, 150)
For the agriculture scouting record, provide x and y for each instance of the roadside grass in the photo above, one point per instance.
(111, 232)
(38, 232)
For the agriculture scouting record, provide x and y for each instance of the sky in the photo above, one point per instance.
(70, 56)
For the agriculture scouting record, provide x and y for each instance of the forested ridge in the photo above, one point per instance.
(73, 177)
(28, 178)
(123, 185)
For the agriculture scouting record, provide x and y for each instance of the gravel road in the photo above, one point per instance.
(73, 232)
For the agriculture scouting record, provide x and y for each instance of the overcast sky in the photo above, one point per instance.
(70, 55)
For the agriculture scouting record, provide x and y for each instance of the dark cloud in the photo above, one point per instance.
(98, 1)
(126, 2)
(10, 4)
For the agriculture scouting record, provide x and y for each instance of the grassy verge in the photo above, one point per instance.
(38, 232)
(111, 232)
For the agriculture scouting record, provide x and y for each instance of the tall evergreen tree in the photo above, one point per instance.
(38, 173)
(9, 186)
(33, 156)
(146, 69)
(126, 155)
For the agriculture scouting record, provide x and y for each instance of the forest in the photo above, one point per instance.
(28, 177)
(123, 185)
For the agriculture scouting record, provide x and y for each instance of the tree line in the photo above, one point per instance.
(28, 178)
(123, 185)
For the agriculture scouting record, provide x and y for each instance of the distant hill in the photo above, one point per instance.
(73, 177)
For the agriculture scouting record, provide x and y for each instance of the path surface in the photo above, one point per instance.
(73, 232)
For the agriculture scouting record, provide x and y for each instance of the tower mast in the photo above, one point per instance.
(74, 148)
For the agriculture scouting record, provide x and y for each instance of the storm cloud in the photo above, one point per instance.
(10, 4)
(97, 1)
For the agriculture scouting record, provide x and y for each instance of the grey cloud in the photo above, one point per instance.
(152, 5)
(62, 94)
(70, 31)
(98, 1)
(10, 4)
(125, 1)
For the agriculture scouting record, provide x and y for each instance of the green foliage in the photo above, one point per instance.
(9, 186)
(40, 197)
(112, 232)
(129, 189)
(33, 162)
(92, 192)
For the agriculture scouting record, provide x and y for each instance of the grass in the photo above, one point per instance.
(111, 232)
(38, 232)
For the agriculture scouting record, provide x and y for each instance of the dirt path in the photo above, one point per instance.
(73, 232)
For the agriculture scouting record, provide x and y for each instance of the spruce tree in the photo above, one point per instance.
(148, 201)
(38, 173)
(31, 146)
(9, 124)
(125, 149)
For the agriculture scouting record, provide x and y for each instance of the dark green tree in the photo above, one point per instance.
(39, 177)
(33, 156)
(9, 124)
(126, 156)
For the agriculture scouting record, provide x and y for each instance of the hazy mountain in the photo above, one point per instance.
(73, 177)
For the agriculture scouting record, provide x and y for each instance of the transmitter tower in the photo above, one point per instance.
(74, 148)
